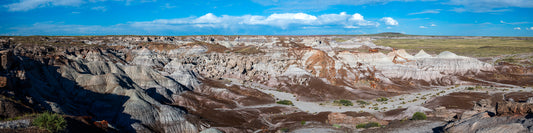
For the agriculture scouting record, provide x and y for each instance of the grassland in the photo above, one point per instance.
(466, 47)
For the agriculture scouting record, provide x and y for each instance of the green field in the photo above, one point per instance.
(466, 47)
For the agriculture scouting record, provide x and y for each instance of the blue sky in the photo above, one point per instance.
(266, 17)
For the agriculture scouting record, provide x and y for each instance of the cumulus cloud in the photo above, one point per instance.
(278, 23)
(389, 21)
(489, 5)
(434, 11)
(517, 28)
(433, 25)
(423, 27)
(283, 20)
(531, 28)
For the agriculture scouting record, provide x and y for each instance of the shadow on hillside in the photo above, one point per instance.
(50, 91)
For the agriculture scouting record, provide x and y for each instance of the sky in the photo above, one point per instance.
(266, 17)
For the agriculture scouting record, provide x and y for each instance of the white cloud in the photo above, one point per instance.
(517, 28)
(489, 5)
(299, 5)
(434, 11)
(299, 23)
(351, 27)
(513, 23)
(531, 28)
(389, 27)
(168, 6)
(283, 20)
(357, 17)
(389, 21)
(25, 5)
(99, 8)
(433, 25)
(423, 27)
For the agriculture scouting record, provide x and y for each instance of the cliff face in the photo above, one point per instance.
(153, 84)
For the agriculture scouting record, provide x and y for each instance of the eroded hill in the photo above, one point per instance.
(232, 83)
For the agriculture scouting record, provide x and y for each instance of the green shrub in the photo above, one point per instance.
(50, 121)
(368, 125)
(419, 116)
(285, 102)
(343, 102)
(336, 125)
(303, 122)
(360, 102)
(470, 88)
(382, 99)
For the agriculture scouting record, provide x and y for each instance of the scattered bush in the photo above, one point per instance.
(382, 99)
(343, 102)
(360, 102)
(470, 88)
(285, 102)
(303, 122)
(419, 116)
(50, 121)
(368, 125)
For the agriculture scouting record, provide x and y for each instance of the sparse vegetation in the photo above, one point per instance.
(303, 122)
(336, 125)
(343, 102)
(468, 47)
(382, 99)
(368, 125)
(285, 102)
(419, 116)
(361, 102)
(52, 122)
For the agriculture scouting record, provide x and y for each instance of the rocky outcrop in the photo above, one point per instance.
(513, 108)
(483, 123)
(442, 112)
(137, 83)
(510, 118)
(350, 121)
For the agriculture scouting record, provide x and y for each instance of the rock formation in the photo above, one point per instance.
(192, 83)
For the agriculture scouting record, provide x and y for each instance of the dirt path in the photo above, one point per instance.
(400, 101)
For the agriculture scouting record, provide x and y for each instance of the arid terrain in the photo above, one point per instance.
(366, 83)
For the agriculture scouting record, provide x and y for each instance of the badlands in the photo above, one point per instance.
(260, 84)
